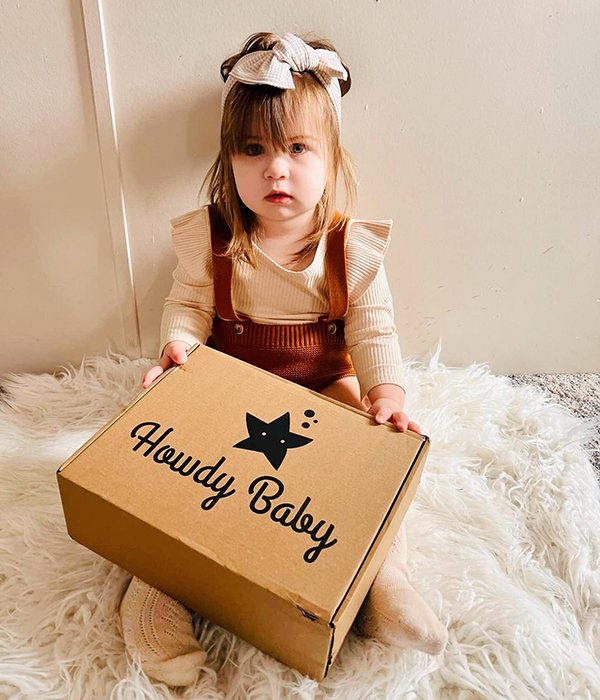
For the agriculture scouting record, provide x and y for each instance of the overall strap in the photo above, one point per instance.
(222, 267)
(335, 265)
(337, 270)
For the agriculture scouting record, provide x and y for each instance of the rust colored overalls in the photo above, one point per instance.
(311, 354)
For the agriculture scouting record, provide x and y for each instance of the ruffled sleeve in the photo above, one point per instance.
(190, 236)
(366, 245)
(189, 308)
(370, 331)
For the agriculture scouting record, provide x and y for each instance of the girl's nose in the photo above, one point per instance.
(276, 167)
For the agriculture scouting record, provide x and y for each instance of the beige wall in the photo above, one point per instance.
(475, 127)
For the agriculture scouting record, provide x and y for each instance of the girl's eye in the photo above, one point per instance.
(302, 146)
(251, 146)
(255, 149)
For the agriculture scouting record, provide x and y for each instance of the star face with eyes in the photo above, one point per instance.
(272, 439)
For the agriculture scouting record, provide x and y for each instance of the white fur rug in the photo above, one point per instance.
(504, 543)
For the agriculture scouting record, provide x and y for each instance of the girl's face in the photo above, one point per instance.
(300, 172)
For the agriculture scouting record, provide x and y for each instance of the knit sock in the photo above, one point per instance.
(393, 612)
(159, 631)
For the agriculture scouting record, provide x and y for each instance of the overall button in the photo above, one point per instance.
(332, 328)
(238, 328)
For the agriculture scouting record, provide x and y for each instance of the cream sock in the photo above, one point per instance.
(159, 631)
(393, 612)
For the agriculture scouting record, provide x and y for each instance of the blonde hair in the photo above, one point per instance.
(267, 108)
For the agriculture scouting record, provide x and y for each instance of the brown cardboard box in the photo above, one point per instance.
(260, 504)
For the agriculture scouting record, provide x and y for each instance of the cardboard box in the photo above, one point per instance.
(260, 504)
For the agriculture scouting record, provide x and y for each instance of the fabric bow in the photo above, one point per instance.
(275, 66)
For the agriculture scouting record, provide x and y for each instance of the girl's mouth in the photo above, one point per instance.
(279, 198)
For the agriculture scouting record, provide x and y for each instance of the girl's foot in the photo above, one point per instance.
(158, 630)
(394, 613)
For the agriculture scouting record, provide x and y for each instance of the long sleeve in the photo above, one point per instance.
(188, 311)
(371, 336)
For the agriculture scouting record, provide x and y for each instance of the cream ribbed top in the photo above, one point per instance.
(273, 294)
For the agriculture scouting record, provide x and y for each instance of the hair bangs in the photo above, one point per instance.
(263, 112)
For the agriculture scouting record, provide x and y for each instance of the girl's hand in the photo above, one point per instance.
(389, 410)
(173, 353)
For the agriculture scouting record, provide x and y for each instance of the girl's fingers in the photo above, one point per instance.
(400, 420)
(151, 375)
(165, 363)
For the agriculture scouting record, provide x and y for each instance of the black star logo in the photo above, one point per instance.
(272, 439)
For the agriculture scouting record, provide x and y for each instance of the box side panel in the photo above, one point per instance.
(276, 626)
(346, 613)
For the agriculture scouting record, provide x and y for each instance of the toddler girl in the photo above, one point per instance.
(272, 273)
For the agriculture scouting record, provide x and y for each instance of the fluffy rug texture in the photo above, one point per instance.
(579, 393)
(503, 543)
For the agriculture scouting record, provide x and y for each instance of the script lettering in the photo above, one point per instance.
(205, 476)
(261, 503)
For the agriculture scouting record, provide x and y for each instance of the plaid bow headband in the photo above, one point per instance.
(273, 67)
